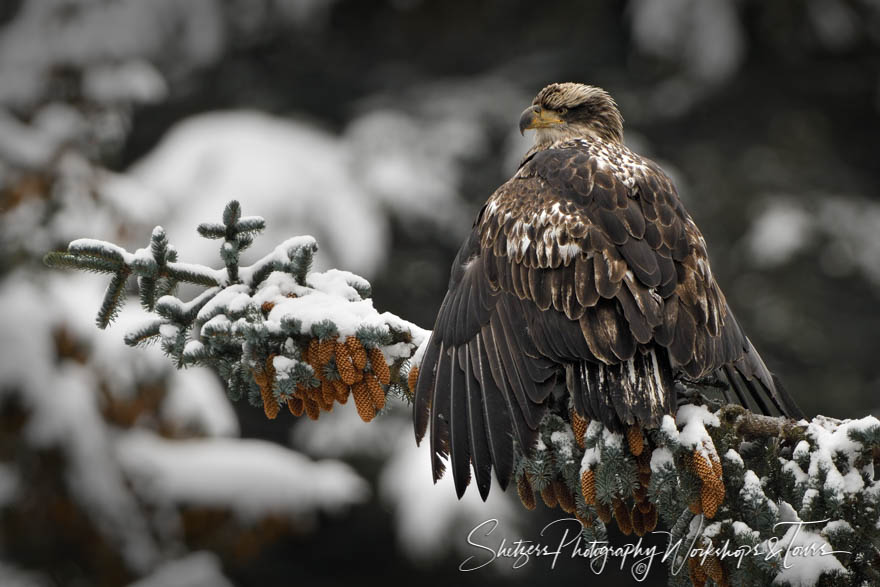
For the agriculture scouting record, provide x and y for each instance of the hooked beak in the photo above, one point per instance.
(537, 117)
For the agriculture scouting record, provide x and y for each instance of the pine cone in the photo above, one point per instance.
(296, 406)
(588, 487)
(325, 351)
(549, 496)
(526, 493)
(380, 367)
(328, 392)
(364, 401)
(638, 521)
(645, 506)
(578, 427)
(586, 521)
(643, 461)
(603, 511)
(698, 575)
(344, 365)
(265, 379)
(325, 402)
(564, 496)
(635, 440)
(715, 570)
(312, 409)
(640, 493)
(702, 466)
(711, 496)
(412, 379)
(311, 355)
(342, 390)
(357, 352)
(622, 515)
(376, 391)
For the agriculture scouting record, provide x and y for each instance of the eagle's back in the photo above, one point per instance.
(583, 272)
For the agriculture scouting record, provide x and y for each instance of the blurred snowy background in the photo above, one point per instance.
(379, 127)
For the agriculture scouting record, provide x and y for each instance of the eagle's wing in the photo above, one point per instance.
(585, 266)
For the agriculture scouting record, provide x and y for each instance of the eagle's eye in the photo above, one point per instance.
(562, 110)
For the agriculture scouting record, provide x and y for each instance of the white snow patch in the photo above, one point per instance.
(196, 401)
(808, 558)
(249, 477)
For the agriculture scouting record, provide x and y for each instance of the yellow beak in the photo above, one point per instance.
(537, 117)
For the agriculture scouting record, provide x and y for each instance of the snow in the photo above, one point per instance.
(661, 458)
(289, 172)
(793, 468)
(808, 558)
(612, 439)
(563, 441)
(199, 569)
(249, 477)
(429, 519)
(692, 420)
(734, 457)
(831, 438)
(591, 457)
(705, 35)
(342, 434)
(668, 427)
(283, 366)
(779, 233)
(64, 413)
(197, 401)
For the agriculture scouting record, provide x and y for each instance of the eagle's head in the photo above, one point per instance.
(569, 111)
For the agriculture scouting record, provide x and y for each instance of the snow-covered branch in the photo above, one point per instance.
(275, 332)
(751, 499)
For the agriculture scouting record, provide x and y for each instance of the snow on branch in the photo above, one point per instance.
(275, 331)
(746, 499)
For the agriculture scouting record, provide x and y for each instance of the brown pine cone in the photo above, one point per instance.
(380, 367)
(296, 406)
(638, 521)
(635, 440)
(526, 493)
(564, 496)
(622, 515)
(376, 391)
(578, 427)
(312, 409)
(588, 486)
(363, 401)
(344, 364)
(698, 574)
(357, 352)
(342, 390)
(549, 496)
(412, 379)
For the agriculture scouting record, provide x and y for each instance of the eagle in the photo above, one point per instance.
(585, 283)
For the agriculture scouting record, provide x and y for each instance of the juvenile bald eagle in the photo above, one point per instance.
(583, 277)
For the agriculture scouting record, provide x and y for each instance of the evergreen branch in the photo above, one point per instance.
(60, 259)
(113, 298)
(281, 335)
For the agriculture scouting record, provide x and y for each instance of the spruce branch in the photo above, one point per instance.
(715, 475)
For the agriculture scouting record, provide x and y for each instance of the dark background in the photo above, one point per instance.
(765, 114)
